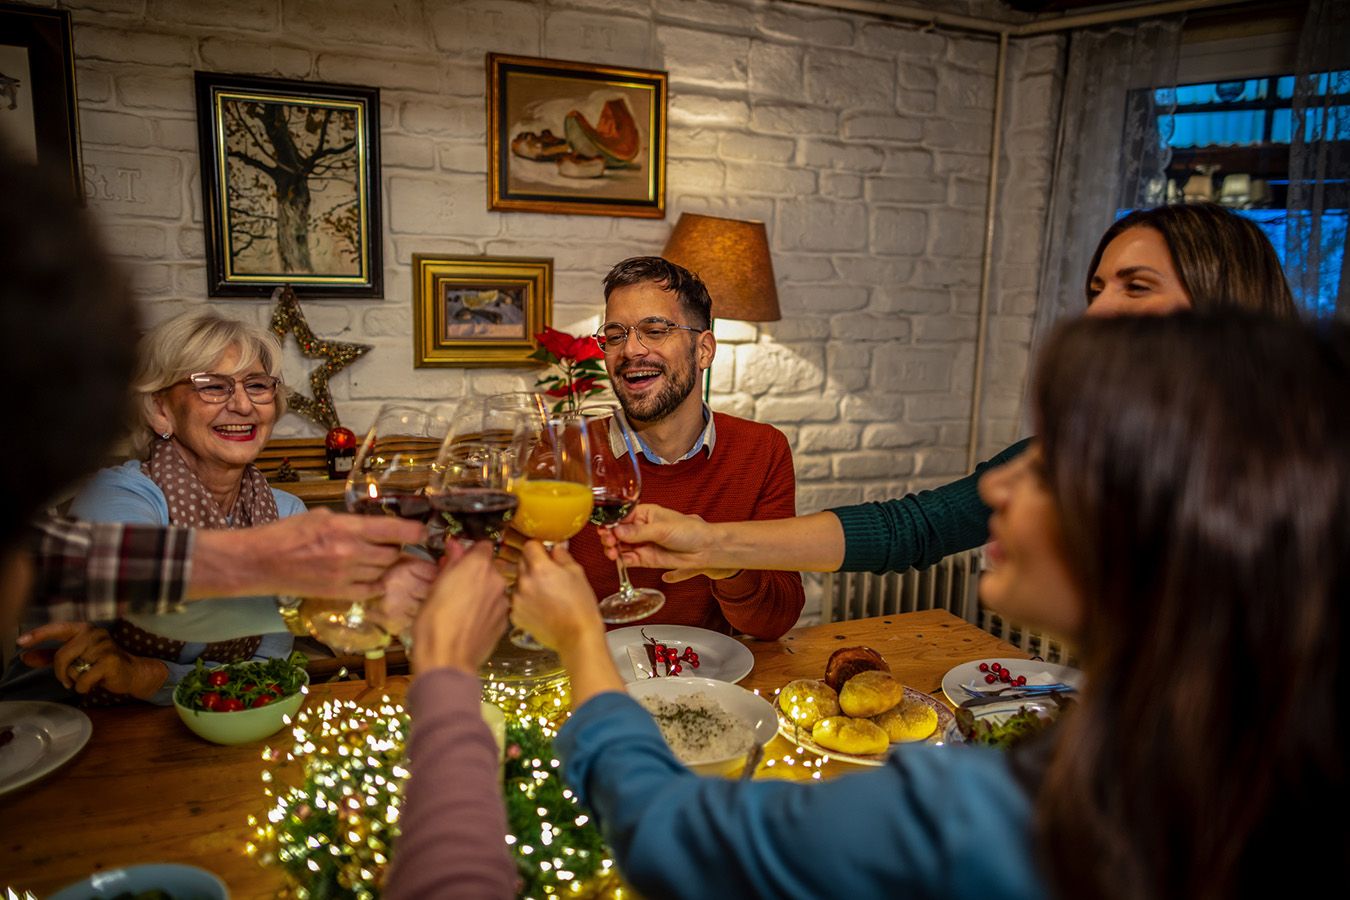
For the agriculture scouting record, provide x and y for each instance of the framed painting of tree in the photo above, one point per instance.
(290, 186)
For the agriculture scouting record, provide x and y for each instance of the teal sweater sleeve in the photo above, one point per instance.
(932, 822)
(919, 529)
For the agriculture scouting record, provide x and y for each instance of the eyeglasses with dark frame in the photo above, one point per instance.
(651, 333)
(216, 388)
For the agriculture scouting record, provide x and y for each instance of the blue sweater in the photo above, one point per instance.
(932, 822)
(124, 494)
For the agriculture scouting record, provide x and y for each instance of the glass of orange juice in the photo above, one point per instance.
(553, 489)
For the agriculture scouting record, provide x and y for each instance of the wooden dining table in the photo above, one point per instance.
(145, 789)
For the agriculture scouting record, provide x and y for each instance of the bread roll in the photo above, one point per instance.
(806, 702)
(909, 720)
(845, 735)
(846, 662)
(870, 694)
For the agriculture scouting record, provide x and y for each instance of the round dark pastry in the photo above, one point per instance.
(846, 662)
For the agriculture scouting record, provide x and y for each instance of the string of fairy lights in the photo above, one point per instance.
(332, 830)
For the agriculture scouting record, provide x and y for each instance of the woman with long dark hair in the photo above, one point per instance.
(1199, 257)
(1190, 534)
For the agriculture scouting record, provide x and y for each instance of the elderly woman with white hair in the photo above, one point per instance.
(208, 394)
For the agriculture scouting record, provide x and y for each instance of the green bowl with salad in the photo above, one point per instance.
(241, 702)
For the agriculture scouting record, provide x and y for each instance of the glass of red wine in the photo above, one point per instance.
(471, 494)
(616, 485)
(393, 466)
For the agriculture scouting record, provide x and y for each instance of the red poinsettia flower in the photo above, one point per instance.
(564, 346)
(584, 348)
(575, 388)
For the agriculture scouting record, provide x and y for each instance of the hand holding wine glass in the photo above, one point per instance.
(616, 484)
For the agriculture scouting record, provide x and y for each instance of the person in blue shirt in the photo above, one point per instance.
(1190, 534)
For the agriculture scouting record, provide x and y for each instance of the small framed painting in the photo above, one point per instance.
(479, 310)
(290, 186)
(569, 137)
(38, 118)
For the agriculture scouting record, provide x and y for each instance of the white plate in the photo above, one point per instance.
(969, 672)
(751, 708)
(720, 658)
(45, 736)
(802, 736)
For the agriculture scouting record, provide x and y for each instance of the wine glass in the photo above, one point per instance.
(389, 476)
(478, 459)
(616, 484)
(554, 487)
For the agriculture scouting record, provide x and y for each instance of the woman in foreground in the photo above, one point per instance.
(1190, 534)
(1157, 261)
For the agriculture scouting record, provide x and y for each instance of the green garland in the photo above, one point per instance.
(557, 847)
(332, 832)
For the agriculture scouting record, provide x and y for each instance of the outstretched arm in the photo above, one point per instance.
(319, 553)
(659, 538)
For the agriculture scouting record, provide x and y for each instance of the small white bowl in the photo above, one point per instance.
(754, 710)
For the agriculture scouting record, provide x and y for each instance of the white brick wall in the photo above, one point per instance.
(862, 144)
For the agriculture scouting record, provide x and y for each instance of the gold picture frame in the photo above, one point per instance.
(290, 186)
(571, 137)
(479, 310)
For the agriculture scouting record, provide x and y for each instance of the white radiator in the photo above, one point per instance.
(948, 584)
(952, 583)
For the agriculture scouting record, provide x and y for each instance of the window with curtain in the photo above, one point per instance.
(1231, 142)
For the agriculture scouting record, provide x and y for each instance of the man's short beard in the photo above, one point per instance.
(668, 399)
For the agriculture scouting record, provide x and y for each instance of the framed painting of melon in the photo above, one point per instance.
(570, 137)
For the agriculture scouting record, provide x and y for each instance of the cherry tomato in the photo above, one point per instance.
(275, 688)
(262, 700)
(231, 704)
(218, 679)
(210, 700)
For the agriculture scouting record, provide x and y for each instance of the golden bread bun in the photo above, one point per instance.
(845, 735)
(909, 720)
(846, 662)
(806, 702)
(870, 694)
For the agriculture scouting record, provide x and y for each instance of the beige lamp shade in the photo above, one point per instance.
(732, 258)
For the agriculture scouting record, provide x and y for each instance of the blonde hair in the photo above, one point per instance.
(192, 342)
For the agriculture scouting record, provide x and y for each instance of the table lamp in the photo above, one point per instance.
(732, 258)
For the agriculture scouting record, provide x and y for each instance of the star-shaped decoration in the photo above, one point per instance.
(337, 355)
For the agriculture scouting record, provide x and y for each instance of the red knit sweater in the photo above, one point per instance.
(748, 476)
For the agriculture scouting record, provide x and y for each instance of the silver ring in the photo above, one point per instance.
(79, 667)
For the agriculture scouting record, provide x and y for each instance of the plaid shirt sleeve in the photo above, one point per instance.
(90, 571)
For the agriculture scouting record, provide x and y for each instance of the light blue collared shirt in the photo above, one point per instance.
(621, 439)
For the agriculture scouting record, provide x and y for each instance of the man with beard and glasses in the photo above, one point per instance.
(657, 343)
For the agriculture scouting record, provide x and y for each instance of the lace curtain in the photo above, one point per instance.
(1097, 173)
(1317, 250)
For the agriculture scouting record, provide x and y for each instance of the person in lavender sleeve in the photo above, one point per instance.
(453, 819)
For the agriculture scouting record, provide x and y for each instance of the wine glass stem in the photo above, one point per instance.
(625, 586)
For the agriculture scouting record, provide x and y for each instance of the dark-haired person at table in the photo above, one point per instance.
(1150, 262)
(657, 342)
(1190, 535)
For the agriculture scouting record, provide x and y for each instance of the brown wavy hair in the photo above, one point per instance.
(1201, 465)
(1223, 259)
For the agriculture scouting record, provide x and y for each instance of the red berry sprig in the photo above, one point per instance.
(997, 672)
